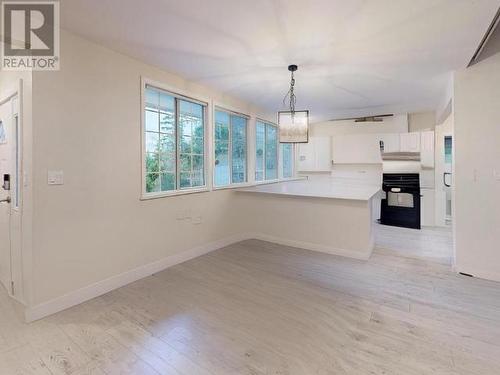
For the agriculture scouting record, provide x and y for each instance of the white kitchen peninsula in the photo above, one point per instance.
(326, 214)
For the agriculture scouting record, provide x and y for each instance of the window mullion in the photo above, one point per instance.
(265, 153)
(177, 146)
(278, 166)
(245, 179)
(230, 149)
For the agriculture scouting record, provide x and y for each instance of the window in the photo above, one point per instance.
(230, 145)
(448, 145)
(286, 160)
(266, 151)
(174, 142)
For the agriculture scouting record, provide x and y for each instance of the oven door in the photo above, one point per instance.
(401, 208)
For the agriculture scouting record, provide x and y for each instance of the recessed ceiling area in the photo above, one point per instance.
(356, 57)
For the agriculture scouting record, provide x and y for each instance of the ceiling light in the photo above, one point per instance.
(293, 124)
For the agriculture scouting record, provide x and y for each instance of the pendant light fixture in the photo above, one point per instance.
(293, 124)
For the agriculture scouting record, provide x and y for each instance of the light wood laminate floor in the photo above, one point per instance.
(260, 308)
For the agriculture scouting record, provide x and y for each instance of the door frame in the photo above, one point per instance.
(5, 97)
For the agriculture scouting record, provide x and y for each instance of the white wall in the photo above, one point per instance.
(87, 123)
(477, 169)
(421, 121)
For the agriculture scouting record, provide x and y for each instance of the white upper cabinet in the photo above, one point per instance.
(315, 155)
(323, 146)
(318, 154)
(391, 142)
(427, 149)
(409, 142)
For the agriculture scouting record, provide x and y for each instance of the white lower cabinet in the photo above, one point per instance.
(427, 217)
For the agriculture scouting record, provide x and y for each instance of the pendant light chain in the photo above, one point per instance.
(290, 95)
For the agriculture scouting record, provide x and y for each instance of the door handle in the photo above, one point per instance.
(6, 200)
(444, 179)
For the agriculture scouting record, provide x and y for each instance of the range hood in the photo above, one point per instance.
(400, 156)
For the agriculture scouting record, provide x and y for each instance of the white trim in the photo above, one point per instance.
(104, 286)
(230, 110)
(316, 247)
(247, 118)
(280, 161)
(257, 183)
(175, 90)
(479, 273)
(264, 171)
(233, 186)
(173, 193)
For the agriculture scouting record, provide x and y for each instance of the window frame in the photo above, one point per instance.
(178, 95)
(230, 112)
(293, 161)
(278, 162)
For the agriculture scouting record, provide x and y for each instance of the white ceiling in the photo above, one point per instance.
(355, 57)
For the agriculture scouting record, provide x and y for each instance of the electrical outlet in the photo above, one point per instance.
(55, 178)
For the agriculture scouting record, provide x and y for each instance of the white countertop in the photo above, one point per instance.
(334, 188)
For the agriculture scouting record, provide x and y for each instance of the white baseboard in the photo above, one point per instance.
(479, 273)
(315, 247)
(102, 287)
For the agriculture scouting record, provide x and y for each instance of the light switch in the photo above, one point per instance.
(55, 178)
(184, 214)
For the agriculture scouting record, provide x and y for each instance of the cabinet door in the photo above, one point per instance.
(307, 160)
(391, 142)
(410, 142)
(427, 149)
(322, 148)
(427, 207)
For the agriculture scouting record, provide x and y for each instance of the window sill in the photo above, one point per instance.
(146, 197)
(277, 181)
(232, 186)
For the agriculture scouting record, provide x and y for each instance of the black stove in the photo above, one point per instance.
(401, 204)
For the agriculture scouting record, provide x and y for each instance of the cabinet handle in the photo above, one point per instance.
(444, 179)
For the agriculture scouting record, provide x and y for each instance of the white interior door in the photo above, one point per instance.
(5, 196)
(10, 198)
